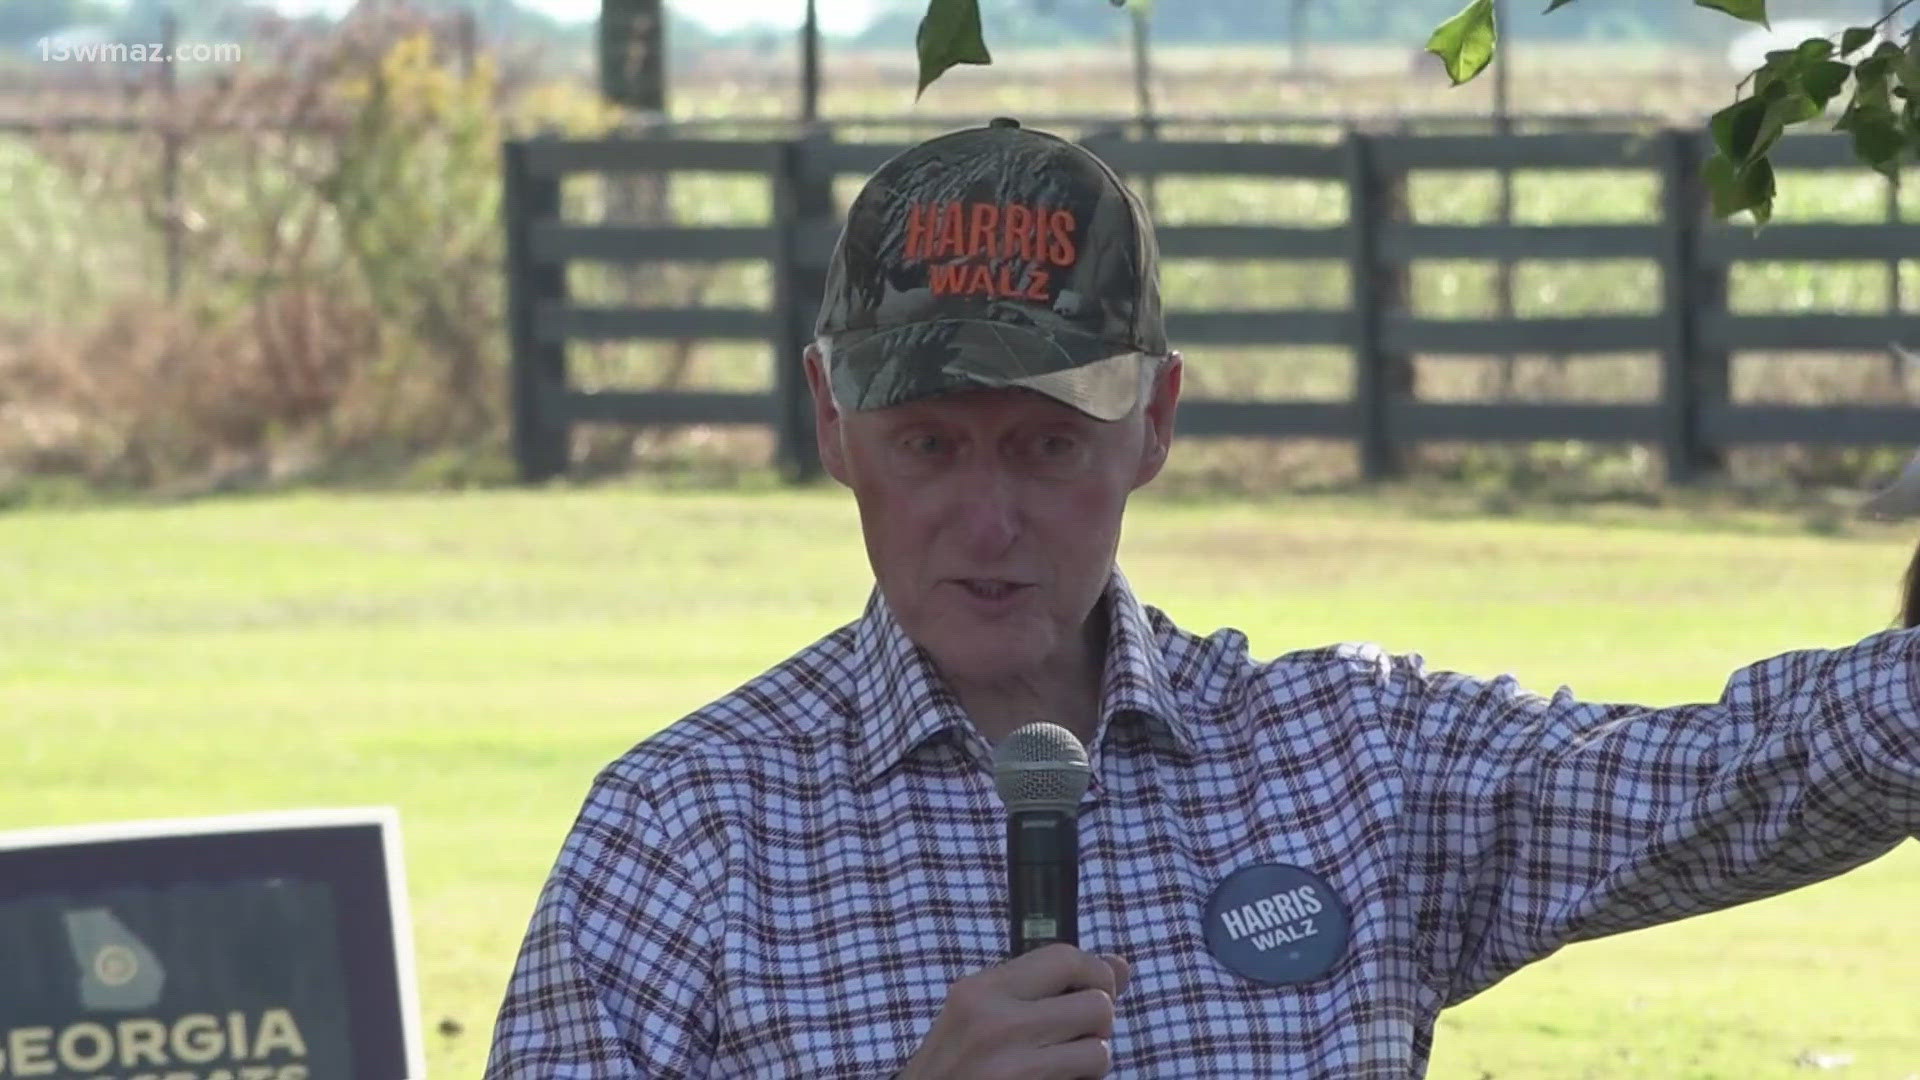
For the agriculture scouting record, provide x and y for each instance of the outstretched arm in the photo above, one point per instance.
(1538, 822)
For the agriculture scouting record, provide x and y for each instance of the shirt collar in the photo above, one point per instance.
(1136, 680)
(903, 702)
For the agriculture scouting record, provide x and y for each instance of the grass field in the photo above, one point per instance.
(473, 658)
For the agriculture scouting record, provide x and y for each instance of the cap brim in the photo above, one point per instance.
(1901, 498)
(876, 369)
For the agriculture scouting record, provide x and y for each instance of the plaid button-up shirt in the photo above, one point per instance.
(785, 883)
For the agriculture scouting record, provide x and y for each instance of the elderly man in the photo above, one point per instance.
(1289, 867)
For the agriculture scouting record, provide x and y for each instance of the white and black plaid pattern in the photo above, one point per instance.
(785, 883)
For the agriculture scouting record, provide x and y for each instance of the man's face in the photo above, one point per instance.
(991, 516)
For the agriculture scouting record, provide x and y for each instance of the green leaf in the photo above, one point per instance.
(1887, 52)
(1784, 111)
(1906, 67)
(1781, 112)
(1756, 185)
(949, 34)
(1877, 138)
(1813, 48)
(1753, 11)
(1736, 128)
(1734, 188)
(1761, 209)
(1854, 39)
(1870, 85)
(1778, 74)
(1824, 79)
(1795, 86)
(1719, 174)
(1465, 42)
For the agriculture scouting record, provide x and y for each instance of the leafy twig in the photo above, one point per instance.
(1872, 31)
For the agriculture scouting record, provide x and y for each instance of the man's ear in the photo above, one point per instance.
(826, 416)
(1158, 414)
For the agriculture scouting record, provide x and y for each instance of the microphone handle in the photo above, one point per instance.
(1043, 870)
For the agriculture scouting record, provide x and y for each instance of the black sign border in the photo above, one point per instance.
(356, 855)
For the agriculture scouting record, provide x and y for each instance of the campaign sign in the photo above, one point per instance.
(262, 947)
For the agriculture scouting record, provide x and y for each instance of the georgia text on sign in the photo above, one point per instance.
(87, 1048)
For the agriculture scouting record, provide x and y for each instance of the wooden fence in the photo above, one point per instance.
(1693, 332)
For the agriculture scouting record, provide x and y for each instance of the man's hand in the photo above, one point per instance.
(1046, 1015)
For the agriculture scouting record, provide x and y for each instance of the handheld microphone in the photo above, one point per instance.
(1041, 770)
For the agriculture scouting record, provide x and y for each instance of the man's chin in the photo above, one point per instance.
(1012, 652)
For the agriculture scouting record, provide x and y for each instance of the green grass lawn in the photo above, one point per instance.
(473, 659)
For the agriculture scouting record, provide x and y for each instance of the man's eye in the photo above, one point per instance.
(925, 445)
(1058, 445)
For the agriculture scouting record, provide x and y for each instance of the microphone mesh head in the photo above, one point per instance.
(1041, 766)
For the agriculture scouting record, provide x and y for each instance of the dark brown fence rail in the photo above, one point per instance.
(1692, 331)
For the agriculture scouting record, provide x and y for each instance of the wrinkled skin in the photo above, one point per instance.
(991, 518)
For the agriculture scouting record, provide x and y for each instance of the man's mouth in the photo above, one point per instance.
(990, 588)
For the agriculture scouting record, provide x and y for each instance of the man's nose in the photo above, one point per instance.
(989, 509)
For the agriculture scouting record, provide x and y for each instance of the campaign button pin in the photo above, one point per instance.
(1276, 924)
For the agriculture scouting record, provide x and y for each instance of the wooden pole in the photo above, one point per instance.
(170, 156)
(1501, 101)
(1503, 208)
(466, 29)
(1896, 360)
(1143, 94)
(810, 65)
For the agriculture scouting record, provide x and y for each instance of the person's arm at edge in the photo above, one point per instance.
(613, 980)
(1547, 821)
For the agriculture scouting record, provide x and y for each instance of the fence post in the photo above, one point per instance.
(804, 214)
(1693, 375)
(539, 377)
(170, 209)
(1375, 288)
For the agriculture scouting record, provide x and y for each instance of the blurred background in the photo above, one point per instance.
(290, 317)
(281, 256)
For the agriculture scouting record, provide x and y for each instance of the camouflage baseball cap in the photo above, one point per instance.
(994, 256)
